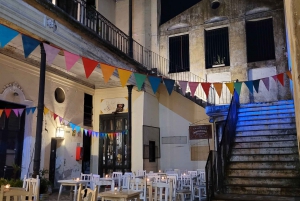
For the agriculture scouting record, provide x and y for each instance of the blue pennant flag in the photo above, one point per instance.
(249, 84)
(28, 110)
(6, 35)
(77, 129)
(33, 109)
(29, 44)
(72, 126)
(169, 85)
(256, 85)
(155, 82)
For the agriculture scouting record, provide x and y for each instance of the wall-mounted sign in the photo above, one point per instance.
(200, 132)
(112, 105)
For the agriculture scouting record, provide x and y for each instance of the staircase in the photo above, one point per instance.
(264, 161)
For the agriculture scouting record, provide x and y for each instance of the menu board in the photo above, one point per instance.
(200, 132)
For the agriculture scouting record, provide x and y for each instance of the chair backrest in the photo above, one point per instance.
(186, 181)
(141, 185)
(163, 191)
(103, 182)
(193, 173)
(15, 194)
(87, 194)
(126, 181)
(86, 176)
(201, 177)
(94, 178)
(140, 173)
(35, 184)
(173, 179)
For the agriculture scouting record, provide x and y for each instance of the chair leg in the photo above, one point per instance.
(59, 193)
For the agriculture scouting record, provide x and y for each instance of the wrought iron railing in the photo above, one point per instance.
(218, 160)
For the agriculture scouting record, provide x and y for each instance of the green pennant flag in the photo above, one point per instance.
(237, 87)
(140, 79)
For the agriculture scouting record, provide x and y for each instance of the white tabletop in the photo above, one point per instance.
(71, 181)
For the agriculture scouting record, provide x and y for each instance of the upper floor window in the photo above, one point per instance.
(260, 40)
(179, 54)
(216, 48)
(88, 110)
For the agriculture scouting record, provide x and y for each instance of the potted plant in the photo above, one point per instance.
(219, 62)
(45, 186)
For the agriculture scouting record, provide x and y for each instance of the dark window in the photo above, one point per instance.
(260, 40)
(88, 110)
(217, 48)
(179, 54)
(152, 151)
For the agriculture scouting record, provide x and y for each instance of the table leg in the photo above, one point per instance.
(102, 199)
(75, 192)
(59, 193)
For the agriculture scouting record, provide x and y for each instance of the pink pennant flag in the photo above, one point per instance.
(66, 122)
(266, 82)
(60, 119)
(70, 59)
(193, 86)
(51, 53)
(183, 85)
(90, 132)
(16, 111)
(274, 77)
(20, 111)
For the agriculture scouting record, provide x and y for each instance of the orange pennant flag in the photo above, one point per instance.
(107, 71)
(218, 87)
(46, 110)
(1, 111)
(289, 74)
(89, 66)
(124, 76)
(230, 86)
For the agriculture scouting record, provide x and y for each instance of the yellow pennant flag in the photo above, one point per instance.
(124, 76)
(1, 111)
(107, 71)
(46, 110)
(218, 87)
(230, 86)
(289, 74)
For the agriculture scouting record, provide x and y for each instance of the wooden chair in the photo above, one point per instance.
(35, 183)
(16, 194)
(87, 194)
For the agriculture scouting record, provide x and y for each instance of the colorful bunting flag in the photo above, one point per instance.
(70, 59)
(206, 87)
(77, 129)
(154, 82)
(169, 85)
(274, 77)
(139, 79)
(60, 119)
(280, 78)
(183, 86)
(256, 85)
(89, 66)
(90, 132)
(124, 75)
(6, 35)
(72, 126)
(28, 110)
(20, 111)
(107, 71)
(55, 116)
(7, 112)
(230, 86)
(16, 111)
(237, 87)
(249, 84)
(289, 74)
(33, 109)
(29, 44)
(81, 130)
(266, 82)
(1, 111)
(218, 88)
(46, 110)
(193, 86)
(51, 53)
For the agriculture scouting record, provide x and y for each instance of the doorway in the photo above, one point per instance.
(11, 141)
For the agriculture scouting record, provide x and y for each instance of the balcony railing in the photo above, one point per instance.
(109, 33)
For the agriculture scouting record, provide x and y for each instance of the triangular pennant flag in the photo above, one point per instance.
(86, 132)
(16, 111)
(124, 75)
(29, 44)
(6, 35)
(90, 132)
(1, 111)
(51, 113)
(193, 86)
(7, 112)
(20, 111)
(266, 82)
(107, 71)
(51, 53)
(54, 116)
(96, 134)
(183, 86)
(28, 110)
(77, 129)
(139, 79)
(256, 85)
(289, 74)
(205, 87)
(230, 86)
(72, 126)
(81, 130)
(237, 87)
(169, 85)
(274, 77)
(33, 109)
(155, 82)
(60, 119)
(218, 88)
(66, 122)
(46, 110)
(70, 59)
(249, 84)
(89, 66)
(280, 78)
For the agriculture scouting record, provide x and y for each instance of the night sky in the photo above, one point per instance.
(171, 8)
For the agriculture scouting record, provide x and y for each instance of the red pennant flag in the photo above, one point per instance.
(206, 86)
(54, 116)
(280, 78)
(274, 77)
(7, 112)
(89, 66)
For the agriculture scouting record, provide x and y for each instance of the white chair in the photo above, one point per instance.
(173, 179)
(117, 176)
(126, 181)
(187, 184)
(86, 177)
(200, 187)
(87, 194)
(163, 191)
(141, 185)
(140, 173)
(94, 178)
(130, 174)
(193, 173)
(15, 194)
(35, 183)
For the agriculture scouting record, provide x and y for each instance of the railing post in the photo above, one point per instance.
(130, 30)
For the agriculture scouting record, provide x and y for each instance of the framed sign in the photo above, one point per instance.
(111, 105)
(200, 132)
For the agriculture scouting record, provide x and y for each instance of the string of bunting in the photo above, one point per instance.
(19, 111)
(29, 44)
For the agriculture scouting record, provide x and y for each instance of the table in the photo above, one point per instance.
(105, 181)
(123, 195)
(70, 182)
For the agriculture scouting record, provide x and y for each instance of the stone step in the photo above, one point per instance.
(283, 102)
(266, 108)
(262, 190)
(264, 157)
(272, 116)
(284, 120)
(270, 138)
(266, 112)
(249, 165)
(263, 173)
(265, 127)
(267, 150)
(240, 197)
(264, 144)
(266, 132)
(262, 181)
